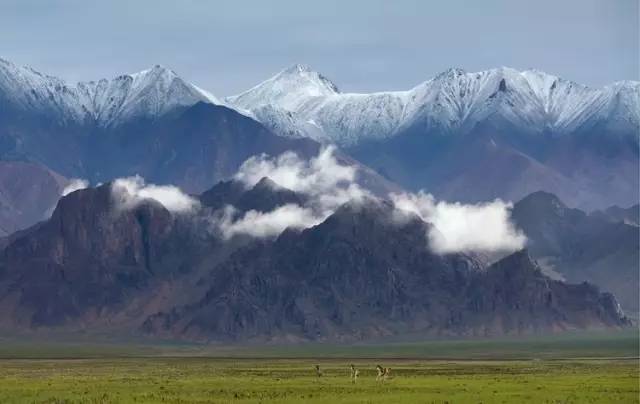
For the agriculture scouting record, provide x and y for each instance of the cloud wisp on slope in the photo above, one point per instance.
(325, 185)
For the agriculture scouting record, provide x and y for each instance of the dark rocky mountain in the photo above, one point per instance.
(97, 267)
(588, 170)
(193, 147)
(359, 275)
(89, 256)
(580, 247)
(630, 215)
(265, 196)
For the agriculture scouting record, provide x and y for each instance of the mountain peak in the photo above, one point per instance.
(157, 71)
(146, 94)
(298, 68)
(287, 89)
(451, 72)
(542, 198)
(304, 74)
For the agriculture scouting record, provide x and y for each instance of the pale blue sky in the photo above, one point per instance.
(228, 46)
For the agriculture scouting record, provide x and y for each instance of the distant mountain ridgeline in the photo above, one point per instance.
(499, 133)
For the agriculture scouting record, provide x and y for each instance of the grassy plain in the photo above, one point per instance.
(592, 369)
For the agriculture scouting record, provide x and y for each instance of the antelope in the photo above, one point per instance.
(383, 373)
(354, 373)
(318, 371)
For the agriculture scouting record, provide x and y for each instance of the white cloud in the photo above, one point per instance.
(326, 184)
(131, 191)
(457, 227)
(268, 224)
(75, 184)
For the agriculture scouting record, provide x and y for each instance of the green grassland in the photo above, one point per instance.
(591, 368)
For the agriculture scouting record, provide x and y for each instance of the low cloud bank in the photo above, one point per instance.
(258, 224)
(326, 185)
(483, 227)
(460, 227)
(131, 191)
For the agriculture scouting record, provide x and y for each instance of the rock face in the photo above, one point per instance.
(614, 214)
(580, 247)
(87, 257)
(361, 273)
(265, 196)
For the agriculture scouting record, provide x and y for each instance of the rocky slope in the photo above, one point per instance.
(579, 247)
(616, 214)
(99, 266)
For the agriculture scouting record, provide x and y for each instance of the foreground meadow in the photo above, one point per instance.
(182, 380)
(594, 370)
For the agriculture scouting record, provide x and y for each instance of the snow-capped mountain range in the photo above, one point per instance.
(301, 102)
(149, 93)
(520, 131)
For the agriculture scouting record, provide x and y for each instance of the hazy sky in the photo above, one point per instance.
(229, 46)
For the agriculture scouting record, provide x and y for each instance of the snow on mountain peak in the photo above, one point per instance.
(287, 89)
(451, 73)
(454, 100)
(305, 72)
(298, 101)
(297, 68)
(145, 94)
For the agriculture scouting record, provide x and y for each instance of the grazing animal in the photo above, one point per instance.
(354, 373)
(318, 371)
(383, 373)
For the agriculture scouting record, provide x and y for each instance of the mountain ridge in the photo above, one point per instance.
(536, 131)
(453, 100)
(300, 101)
(145, 94)
(595, 247)
(98, 266)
